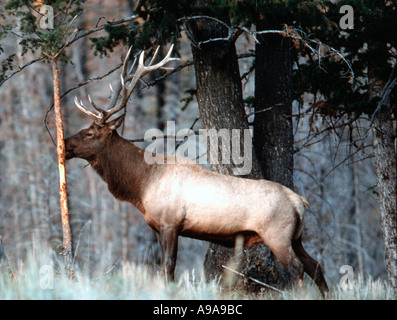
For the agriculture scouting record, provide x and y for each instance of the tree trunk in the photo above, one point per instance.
(3, 258)
(384, 136)
(63, 197)
(273, 134)
(357, 216)
(385, 160)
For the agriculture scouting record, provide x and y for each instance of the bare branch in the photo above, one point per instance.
(288, 32)
(309, 139)
(21, 68)
(386, 92)
(101, 27)
(264, 110)
(252, 279)
(166, 75)
(184, 19)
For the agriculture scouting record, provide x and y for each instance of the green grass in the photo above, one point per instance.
(33, 280)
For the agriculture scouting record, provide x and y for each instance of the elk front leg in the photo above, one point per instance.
(168, 239)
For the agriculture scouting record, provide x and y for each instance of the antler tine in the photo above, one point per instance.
(126, 61)
(79, 104)
(101, 111)
(154, 56)
(132, 67)
(142, 70)
(163, 62)
(116, 91)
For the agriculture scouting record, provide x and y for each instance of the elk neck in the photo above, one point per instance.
(122, 166)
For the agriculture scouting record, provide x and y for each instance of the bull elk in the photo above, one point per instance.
(185, 199)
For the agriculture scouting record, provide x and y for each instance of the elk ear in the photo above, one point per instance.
(114, 124)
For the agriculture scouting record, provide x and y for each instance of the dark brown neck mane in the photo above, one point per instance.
(122, 166)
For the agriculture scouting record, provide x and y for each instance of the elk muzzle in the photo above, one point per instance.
(69, 153)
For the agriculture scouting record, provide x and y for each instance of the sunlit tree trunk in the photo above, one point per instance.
(63, 196)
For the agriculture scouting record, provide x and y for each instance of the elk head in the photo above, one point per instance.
(87, 143)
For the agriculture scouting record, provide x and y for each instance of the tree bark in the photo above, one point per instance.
(273, 135)
(384, 136)
(63, 197)
(385, 160)
(273, 129)
(3, 258)
(357, 216)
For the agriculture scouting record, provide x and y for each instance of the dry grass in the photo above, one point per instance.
(37, 278)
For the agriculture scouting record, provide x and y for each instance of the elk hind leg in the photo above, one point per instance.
(311, 266)
(283, 251)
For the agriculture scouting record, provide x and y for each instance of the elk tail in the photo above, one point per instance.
(305, 202)
(300, 211)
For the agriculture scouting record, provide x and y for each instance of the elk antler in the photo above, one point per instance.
(102, 115)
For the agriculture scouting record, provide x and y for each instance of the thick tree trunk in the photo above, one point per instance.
(385, 160)
(384, 139)
(273, 134)
(63, 196)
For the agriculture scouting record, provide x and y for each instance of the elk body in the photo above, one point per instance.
(185, 199)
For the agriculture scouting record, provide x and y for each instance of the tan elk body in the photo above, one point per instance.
(185, 199)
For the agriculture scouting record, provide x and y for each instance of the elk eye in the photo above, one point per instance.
(89, 134)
